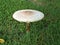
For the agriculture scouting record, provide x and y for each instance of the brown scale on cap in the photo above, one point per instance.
(27, 13)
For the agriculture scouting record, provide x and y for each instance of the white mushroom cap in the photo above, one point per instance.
(28, 15)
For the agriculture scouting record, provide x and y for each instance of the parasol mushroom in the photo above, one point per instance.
(28, 16)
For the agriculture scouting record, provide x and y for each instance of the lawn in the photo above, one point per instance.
(44, 32)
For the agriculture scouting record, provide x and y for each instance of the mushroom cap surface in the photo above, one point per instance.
(28, 15)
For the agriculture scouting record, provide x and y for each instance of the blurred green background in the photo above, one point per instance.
(44, 32)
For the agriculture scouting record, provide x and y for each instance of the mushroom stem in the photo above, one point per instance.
(27, 27)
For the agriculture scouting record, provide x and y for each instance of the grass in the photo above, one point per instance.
(44, 32)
